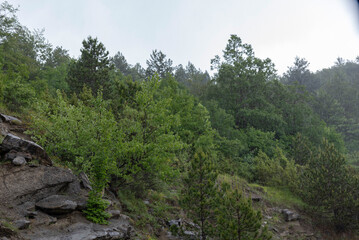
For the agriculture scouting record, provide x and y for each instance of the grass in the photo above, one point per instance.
(280, 196)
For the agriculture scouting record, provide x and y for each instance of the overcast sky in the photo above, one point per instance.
(197, 30)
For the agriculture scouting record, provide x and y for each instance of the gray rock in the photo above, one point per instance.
(12, 142)
(82, 230)
(9, 119)
(22, 224)
(19, 161)
(177, 222)
(290, 215)
(85, 182)
(57, 204)
(10, 155)
(30, 214)
(115, 213)
(20, 185)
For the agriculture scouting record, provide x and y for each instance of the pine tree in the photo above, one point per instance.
(93, 67)
(328, 188)
(236, 219)
(199, 193)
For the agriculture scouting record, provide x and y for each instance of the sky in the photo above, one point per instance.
(196, 30)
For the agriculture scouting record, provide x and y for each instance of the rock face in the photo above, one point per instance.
(57, 204)
(19, 185)
(14, 143)
(75, 227)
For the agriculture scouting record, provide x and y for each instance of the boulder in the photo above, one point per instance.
(22, 224)
(19, 161)
(12, 142)
(13, 154)
(29, 184)
(57, 204)
(290, 215)
(9, 119)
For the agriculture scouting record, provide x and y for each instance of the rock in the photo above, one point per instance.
(20, 185)
(85, 182)
(30, 214)
(12, 142)
(177, 222)
(57, 204)
(115, 213)
(76, 227)
(22, 224)
(190, 235)
(9, 119)
(10, 155)
(256, 198)
(19, 161)
(290, 215)
(146, 202)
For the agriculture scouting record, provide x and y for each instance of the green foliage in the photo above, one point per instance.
(95, 209)
(158, 64)
(236, 219)
(84, 136)
(17, 94)
(275, 171)
(199, 193)
(92, 68)
(328, 188)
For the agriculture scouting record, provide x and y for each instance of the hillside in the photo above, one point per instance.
(97, 148)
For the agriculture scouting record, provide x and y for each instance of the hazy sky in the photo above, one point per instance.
(197, 30)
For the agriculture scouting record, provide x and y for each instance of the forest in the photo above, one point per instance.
(163, 131)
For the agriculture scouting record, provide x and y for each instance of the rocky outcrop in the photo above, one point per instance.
(17, 144)
(21, 184)
(57, 204)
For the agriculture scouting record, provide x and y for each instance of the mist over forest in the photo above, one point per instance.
(194, 145)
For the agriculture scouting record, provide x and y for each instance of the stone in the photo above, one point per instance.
(19, 161)
(30, 214)
(115, 213)
(9, 119)
(12, 142)
(57, 204)
(85, 182)
(290, 215)
(28, 184)
(177, 222)
(10, 155)
(22, 224)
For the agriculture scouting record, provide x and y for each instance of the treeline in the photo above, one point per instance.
(133, 128)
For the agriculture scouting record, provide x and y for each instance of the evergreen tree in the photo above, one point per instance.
(199, 193)
(158, 64)
(236, 219)
(92, 69)
(327, 187)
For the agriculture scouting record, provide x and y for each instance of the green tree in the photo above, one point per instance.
(158, 64)
(199, 192)
(92, 68)
(327, 187)
(236, 218)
